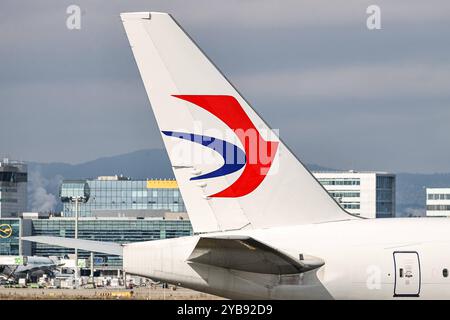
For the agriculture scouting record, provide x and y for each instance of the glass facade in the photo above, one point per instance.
(438, 207)
(340, 182)
(355, 205)
(74, 189)
(9, 237)
(348, 199)
(439, 196)
(13, 188)
(122, 194)
(110, 230)
(385, 196)
(344, 194)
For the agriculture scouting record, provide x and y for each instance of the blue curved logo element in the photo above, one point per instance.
(233, 156)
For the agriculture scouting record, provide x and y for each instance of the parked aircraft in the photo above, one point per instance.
(31, 267)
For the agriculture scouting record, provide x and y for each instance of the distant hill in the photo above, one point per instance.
(45, 178)
(142, 164)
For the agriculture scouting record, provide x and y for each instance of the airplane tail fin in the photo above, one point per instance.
(232, 169)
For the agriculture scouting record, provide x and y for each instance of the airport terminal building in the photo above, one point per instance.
(111, 208)
(155, 226)
(108, 229)
(114, 209)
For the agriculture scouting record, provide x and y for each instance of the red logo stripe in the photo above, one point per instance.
(259, 152)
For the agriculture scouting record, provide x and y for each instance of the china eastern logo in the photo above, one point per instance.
(257, 156)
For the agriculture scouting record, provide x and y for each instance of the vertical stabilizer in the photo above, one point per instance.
(232, 170)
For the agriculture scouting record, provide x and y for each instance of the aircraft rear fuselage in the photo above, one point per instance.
(364, 259)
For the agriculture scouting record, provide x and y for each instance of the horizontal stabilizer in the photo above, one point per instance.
(88, 245)
(247, 254)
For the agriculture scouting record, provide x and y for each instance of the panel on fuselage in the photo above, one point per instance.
(407, 274)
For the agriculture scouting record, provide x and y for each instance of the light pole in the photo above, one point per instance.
(76, 237)
(77, 200)
(75, 191)
(92, 269)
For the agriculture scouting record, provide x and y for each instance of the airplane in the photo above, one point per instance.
(264, 227)
(32, 268)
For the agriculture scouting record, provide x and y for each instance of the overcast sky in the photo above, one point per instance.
(341, 95)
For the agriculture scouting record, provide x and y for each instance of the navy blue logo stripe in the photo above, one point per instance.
(233, 156)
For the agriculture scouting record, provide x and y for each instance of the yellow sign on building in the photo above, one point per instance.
(162, 184)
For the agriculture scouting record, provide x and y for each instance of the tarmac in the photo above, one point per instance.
(140, 293)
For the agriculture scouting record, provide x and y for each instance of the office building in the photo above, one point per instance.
(13, 188)
(365, 194)
(438, 202)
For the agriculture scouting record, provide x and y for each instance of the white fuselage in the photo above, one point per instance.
(364, 259)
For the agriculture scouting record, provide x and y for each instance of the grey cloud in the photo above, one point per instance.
(341, 95)
(71, 121)
(351, 81)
